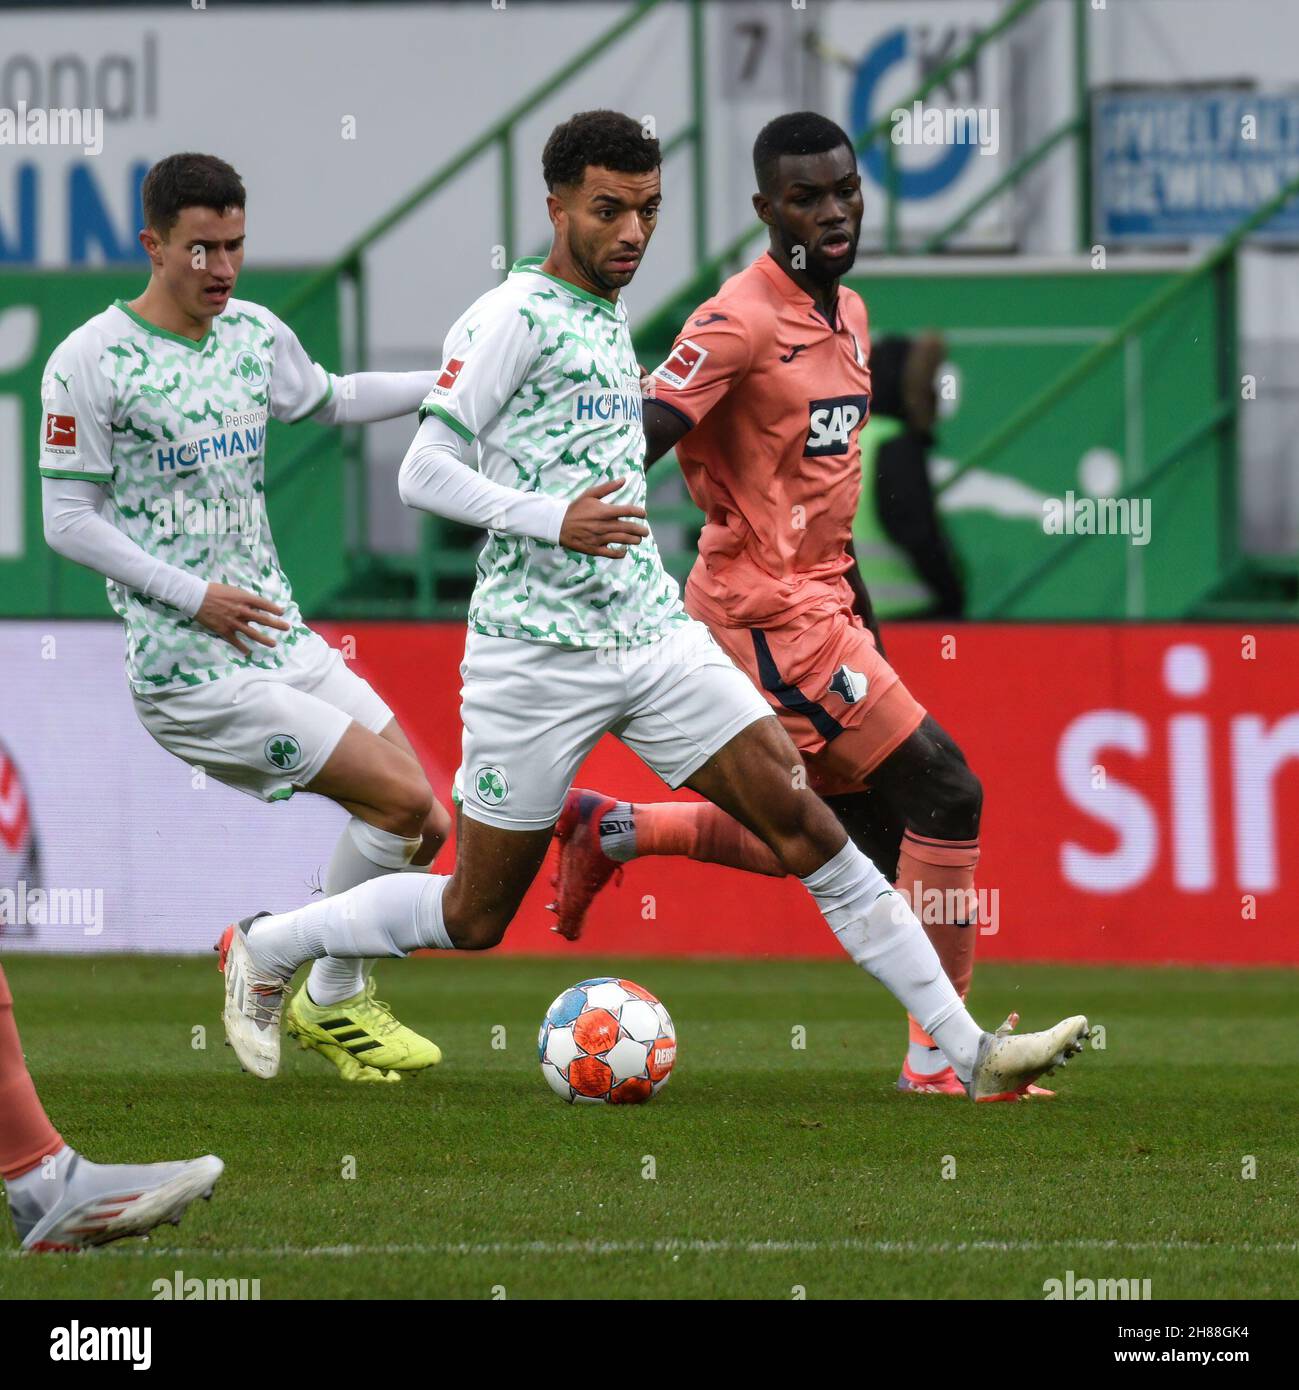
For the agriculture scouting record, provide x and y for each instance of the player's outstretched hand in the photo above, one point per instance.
(593, 527)
(228, 612)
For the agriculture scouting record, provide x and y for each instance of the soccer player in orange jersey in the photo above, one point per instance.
(762, 396)
(58, 1199)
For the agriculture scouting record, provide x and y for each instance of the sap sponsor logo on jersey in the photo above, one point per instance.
(831, 423)
(685, 360)
(243, 435)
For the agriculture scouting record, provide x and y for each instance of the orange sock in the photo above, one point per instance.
(702, 831)
(926, 865)
(26, 1134)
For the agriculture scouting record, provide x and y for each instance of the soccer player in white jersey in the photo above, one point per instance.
(152, 460)
(563, 647)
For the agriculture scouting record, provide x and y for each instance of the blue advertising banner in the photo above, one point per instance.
(1170, 165)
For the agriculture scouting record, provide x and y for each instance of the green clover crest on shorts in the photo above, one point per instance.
(249, 366)
(283, 751)
(491, 785)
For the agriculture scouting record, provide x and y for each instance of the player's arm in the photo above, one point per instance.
(436, 477)
(663, 428)
(76, 529)
(302, 389)
(710, 355)
(76, 477)
(363, 397)
(485, 360)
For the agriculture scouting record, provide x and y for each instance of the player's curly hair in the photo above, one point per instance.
(188, 181)
(798, 132)
(606, 139)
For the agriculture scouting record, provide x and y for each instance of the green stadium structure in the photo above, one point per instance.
(1073, 382)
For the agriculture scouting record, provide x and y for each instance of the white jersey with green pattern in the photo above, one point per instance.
(543, 375)
(176, 432)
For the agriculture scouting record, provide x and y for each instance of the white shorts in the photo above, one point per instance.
(532, 712)
(267, 733)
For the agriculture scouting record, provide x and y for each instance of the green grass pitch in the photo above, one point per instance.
(777, 1171)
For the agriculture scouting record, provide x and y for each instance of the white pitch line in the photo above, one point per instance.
(547, 1248)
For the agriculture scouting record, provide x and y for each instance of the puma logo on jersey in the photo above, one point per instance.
(831, 424)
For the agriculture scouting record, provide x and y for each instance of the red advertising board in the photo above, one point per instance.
(1141, 795)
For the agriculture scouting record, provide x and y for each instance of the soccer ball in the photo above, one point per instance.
(607, 1040)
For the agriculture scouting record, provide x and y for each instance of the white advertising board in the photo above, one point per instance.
(108, 843)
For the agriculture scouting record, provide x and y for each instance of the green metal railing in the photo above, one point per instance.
(433, 559)
(444, 556)
(662, 323)
(1220, 262)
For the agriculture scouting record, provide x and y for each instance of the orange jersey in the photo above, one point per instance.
(775, 396)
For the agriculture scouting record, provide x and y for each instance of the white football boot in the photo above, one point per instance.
(254, 1003)
(99, 1202)
(1007, 1064)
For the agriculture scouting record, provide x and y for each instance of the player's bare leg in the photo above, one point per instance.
(941, 801)
(388, 916)
(755, 778)
(919, 823)
(494, 869)
(58, 1199)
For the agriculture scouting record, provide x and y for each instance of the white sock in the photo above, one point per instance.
(389, 916)
(363, 852)
(42, 1186)
(926, 1061)
(618, 832)
(877, 928)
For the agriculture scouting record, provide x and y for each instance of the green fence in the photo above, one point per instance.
(306, 486)
(1013, 335)
(1064, 380)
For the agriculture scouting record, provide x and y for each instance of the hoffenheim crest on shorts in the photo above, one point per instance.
(491, 785)
(283, 751)
(849, 685)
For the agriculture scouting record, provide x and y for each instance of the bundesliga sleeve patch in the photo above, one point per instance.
(450, 371)
(682, 364)
(60, 434)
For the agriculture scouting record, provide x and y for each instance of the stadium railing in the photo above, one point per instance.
(1219, 419)
(434, 581)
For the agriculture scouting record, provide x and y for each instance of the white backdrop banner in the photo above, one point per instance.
(108, 843)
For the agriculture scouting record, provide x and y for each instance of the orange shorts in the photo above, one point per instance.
(839, 700)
